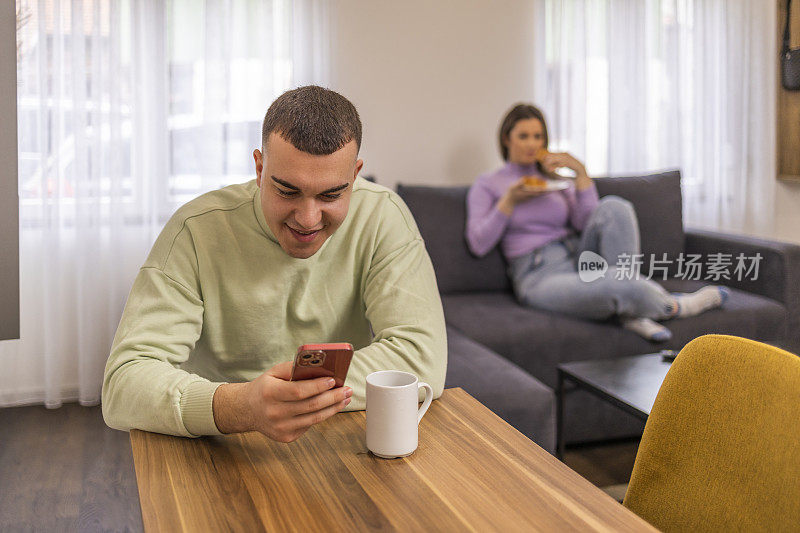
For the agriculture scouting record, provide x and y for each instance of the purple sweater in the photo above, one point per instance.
(533, 223)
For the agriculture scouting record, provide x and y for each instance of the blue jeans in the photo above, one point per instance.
(548, 279)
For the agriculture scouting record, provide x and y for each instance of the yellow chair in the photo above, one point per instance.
(721, 448)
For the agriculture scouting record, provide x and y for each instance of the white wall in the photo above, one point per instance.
(431, 80)
(416, 69)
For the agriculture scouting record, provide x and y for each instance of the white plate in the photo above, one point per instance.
(552, 185)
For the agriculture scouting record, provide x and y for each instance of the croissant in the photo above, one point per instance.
(534, 181)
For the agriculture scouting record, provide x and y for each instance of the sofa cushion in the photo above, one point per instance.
(506, 389)
(658, 204)
(538, 341)
(441, 216)
(744, 314)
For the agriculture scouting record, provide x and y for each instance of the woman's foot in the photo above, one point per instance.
(649, 329)
(694, 303)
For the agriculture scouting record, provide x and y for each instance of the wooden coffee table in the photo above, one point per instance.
(630, 383)
(472, 471)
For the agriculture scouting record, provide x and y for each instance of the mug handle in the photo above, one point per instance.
(428, 398)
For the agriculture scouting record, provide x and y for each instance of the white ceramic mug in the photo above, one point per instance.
(392, 414)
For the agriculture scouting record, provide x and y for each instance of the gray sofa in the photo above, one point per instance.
(484, 319)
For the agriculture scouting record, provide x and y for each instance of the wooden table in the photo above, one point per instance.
(472, 471)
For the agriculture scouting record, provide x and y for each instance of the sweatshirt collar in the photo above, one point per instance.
(259, 212)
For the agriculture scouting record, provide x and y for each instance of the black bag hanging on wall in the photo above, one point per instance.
(790, 59)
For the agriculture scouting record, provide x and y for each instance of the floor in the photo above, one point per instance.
(65, 470)
(608, 465)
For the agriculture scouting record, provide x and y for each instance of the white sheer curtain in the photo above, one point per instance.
(127, 109)
(634, 86)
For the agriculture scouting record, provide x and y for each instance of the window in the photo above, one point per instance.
(137, 107)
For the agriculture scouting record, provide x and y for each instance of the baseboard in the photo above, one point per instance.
(37, 396)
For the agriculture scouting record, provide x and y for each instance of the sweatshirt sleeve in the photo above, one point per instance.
(143, 386)
(485, 223)
(404, 309)
(581, 205)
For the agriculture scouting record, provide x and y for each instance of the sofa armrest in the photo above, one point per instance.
(779, 269)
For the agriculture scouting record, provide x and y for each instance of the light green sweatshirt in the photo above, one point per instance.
(218, 300)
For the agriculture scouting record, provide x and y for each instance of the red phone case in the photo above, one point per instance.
(323, 360)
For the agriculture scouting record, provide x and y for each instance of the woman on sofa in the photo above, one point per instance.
(542, 232)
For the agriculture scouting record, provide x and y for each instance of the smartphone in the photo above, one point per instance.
(323, 360)
(668, 356)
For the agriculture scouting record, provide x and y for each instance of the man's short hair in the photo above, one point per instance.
(314, 119)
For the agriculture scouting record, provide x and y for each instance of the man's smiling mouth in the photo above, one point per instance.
(303, 236)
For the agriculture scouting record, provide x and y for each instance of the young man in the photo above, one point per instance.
(240, 277)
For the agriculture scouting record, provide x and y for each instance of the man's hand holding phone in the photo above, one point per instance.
(272, 405)
(280, 408)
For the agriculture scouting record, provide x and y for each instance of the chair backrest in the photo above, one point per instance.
(721, 448)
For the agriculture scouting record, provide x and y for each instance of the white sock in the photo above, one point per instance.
(649, 329)
(709, 297)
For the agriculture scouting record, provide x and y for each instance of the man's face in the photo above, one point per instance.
(305, 197)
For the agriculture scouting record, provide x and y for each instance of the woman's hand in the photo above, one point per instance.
(556, 160)
(516, 194)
